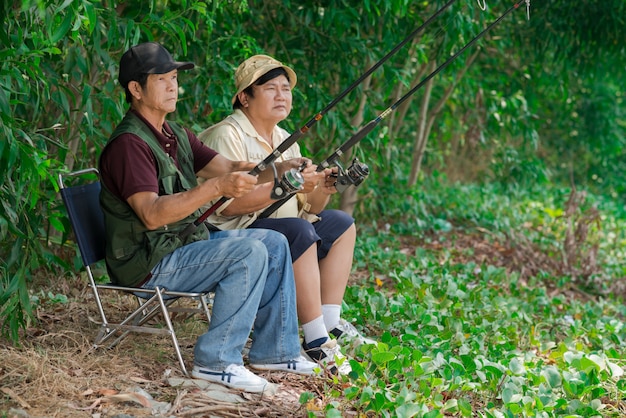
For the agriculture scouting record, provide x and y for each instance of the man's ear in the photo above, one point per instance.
(135, 89)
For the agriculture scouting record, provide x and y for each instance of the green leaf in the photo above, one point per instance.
(511, 396)
(516, 366)
(62, 29)
(451, 406)
(305, 397)
(408, 410)
(92, 17)
(552, 377)
(57, 224)
(587, 364)
(63, 6)
(433, 414)
(616, 370)
(383, 357)
(4, 103)
(465, 407)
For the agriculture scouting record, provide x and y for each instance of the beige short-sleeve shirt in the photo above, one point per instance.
(236, 139)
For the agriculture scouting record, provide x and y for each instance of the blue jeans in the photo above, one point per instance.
(251, 274)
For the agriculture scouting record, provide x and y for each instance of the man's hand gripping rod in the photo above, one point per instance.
(269, 160)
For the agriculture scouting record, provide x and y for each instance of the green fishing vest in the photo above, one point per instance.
(132, 250)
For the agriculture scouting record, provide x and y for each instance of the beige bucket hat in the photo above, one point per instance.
(256, 66)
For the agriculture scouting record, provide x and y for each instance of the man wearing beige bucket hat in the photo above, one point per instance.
(321, 240)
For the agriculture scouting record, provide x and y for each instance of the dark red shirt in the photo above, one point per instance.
(127, 165)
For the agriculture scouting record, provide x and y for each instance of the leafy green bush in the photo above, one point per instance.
(59, 102)
(467, 339)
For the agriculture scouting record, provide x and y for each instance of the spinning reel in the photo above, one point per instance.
(292, 181)
(354, 175)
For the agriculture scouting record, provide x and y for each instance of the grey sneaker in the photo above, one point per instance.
(348, 336)
(234, 376)
(299, 365)
(329, 356)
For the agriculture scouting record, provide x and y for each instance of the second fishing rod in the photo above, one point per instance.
(287, 143)
(358, 171)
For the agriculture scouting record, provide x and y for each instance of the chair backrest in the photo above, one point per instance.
(82, 201)
(83, 208)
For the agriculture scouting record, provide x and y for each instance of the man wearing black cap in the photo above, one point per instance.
(148, 170)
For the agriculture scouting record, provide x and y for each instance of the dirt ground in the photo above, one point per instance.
(55, 371)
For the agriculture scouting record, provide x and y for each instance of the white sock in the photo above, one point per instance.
(314, 330)
(332, 314)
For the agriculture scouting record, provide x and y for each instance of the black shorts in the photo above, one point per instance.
(301, 233)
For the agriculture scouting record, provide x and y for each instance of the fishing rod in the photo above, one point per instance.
(287, 143)
(361, 171)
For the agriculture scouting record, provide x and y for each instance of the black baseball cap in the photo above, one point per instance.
(148, 58)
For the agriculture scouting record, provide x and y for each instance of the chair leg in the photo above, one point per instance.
(171, 329)
(144, 313)
(205, 307)
(136, 319)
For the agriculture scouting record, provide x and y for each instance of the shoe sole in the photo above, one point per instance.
(271, 368)
(252, 389)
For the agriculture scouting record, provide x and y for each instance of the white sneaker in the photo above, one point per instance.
(299, 365)
(234, 376)
(329, 356)
(348, 336)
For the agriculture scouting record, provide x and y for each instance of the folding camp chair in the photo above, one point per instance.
(83, 209)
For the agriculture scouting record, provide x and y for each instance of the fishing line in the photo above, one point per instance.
(269, 160)
(373, 123)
